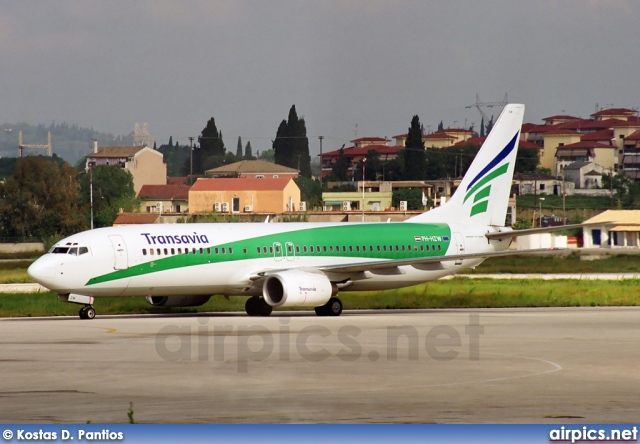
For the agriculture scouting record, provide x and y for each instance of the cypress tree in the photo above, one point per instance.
(414, 152)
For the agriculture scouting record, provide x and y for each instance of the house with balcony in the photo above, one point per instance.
(146, 165)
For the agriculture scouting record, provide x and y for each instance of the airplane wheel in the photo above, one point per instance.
(87, 312)
(332, 308)
(256, 306)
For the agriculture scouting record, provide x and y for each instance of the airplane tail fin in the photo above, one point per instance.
(483, 195)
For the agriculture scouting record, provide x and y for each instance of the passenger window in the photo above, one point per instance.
(144, 251)
(311, 248)
(194, 250)
(439, 247)
(166, 252)
(215, 250)
(324, 248)
(201, 250)
(179, 250)
(258, 249)
(358, 248)
(331, 248)
(244, 250)
(403, 248)
(351, 248)
(270, 250)
(304, 248)
(224, 251)
(378, 248)
(298, 249)
(151, 251)
(209, 251)
(230, 250)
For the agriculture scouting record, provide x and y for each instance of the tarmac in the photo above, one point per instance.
(539, 365)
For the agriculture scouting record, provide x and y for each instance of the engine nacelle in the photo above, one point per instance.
(177, 301)
(295, 288)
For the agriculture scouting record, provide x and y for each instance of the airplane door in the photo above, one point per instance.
(459, 240)
(119, 252)
(290, 251)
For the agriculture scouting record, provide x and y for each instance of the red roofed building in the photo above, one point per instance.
(354, 154)
(244, 195)
(146, 165)
(164, 198)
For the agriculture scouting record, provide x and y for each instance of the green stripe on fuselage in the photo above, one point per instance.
(366, 235)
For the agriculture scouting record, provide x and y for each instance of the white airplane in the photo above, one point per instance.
(293, 264)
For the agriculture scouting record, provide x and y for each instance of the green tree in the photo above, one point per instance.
(414, 152)
(413, 196)
(310, 191)
(211, 152)
(268, 156)
(239, 149)
(291, 144)
(41, 199)
(373, 168)
(527, 160)
(112, 190)
(248, 152)
(177, 159)
(341, 167)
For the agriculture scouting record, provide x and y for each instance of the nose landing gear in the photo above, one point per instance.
(86, 312)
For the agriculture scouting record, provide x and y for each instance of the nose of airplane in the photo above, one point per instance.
(43, 271)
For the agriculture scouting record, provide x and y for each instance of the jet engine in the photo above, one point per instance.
(177, 301)
(295, 288)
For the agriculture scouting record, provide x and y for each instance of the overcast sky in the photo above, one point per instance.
(352, 68)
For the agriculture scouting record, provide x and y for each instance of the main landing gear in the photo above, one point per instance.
(257, 306)
(332, 308)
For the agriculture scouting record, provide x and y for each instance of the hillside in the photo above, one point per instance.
(68, 141)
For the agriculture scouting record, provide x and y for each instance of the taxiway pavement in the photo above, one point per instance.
(444, 366)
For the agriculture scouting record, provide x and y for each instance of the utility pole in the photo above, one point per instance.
(320, 138)
(190, 157)
(364, 159)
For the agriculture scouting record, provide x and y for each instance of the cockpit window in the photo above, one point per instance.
(74, 251)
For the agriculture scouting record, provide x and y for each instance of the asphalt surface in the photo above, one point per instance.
(443, 366)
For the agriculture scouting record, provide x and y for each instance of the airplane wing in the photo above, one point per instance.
(377, 265)
(509, 233)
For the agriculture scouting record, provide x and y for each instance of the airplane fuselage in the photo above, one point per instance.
(206, 259)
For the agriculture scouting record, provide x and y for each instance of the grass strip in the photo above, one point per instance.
(461, 292)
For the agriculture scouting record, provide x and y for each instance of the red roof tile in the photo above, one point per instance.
(240, 184)
(362, 151)
(176, 180)
(164, 192)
